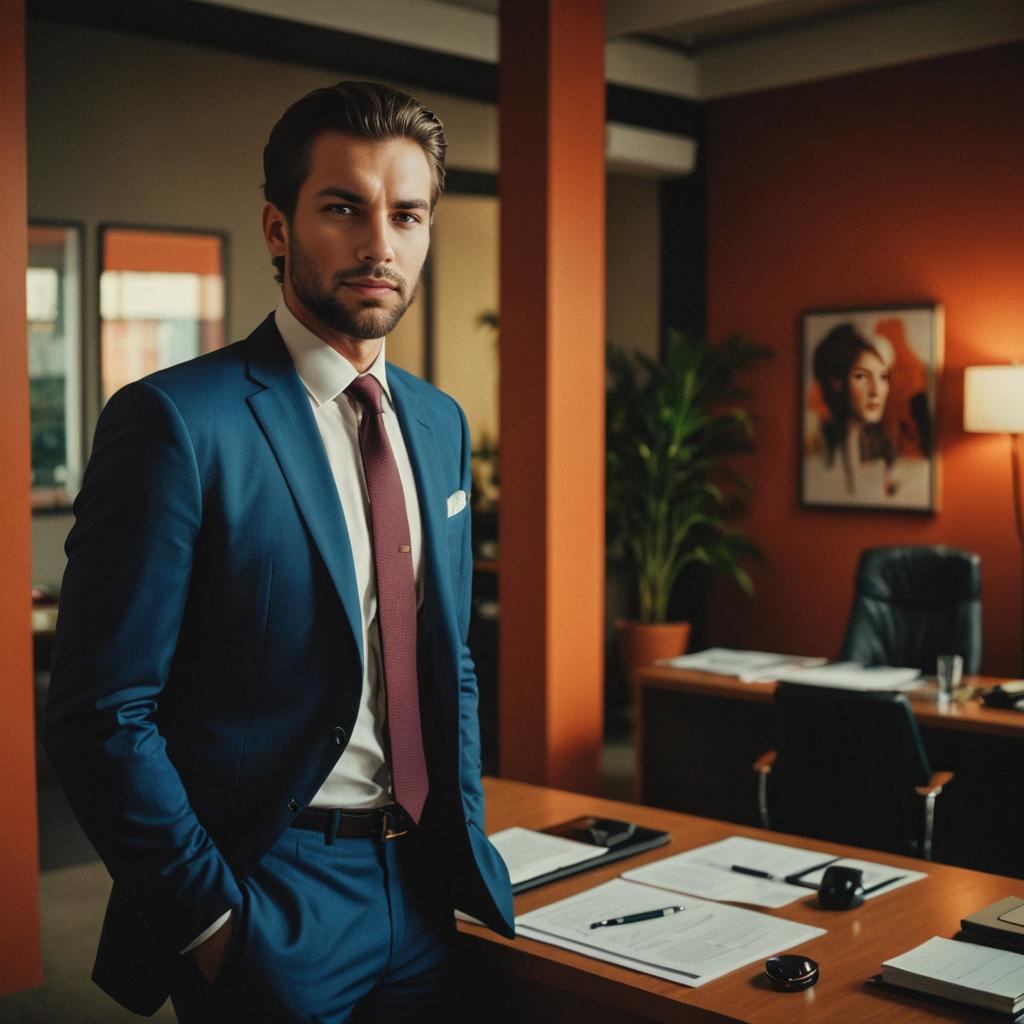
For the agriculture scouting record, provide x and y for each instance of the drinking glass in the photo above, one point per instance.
(949, 670)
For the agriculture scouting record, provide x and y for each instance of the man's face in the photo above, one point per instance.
(355, 246)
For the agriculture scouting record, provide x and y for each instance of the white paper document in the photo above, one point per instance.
(710, 871)
(692, 947)
(528, 854)
(748, 666)
(721, 871)
(849, 675)
(992, 978)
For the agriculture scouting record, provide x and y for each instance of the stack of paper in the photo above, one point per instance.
(748, 666)
(849, 675)
(695, 944)
(992, 979)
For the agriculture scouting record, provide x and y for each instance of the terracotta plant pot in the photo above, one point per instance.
(643, 643)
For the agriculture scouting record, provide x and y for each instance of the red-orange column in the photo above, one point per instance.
(20, 965)
(552, 117)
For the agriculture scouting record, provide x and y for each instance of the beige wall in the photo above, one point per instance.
(465, 284)
(128, 129)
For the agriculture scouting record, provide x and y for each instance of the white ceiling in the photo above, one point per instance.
(701, 49)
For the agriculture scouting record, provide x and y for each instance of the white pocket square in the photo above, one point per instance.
(456, 503)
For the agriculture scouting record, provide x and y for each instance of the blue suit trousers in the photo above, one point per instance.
(354, 930)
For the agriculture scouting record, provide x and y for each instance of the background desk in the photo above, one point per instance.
(699, 734)
(527, 981)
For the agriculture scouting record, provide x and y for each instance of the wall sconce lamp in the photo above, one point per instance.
(994, 404)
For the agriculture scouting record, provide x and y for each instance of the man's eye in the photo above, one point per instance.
(407, 218)
(339, 208)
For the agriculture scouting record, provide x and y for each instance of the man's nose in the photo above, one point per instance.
(375, 244)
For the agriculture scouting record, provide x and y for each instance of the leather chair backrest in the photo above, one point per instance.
(846, 767)
(913, 604)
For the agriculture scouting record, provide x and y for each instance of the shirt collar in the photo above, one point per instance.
(324, 372)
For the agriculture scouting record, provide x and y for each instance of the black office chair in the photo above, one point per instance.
(914, 603)
(849, 766)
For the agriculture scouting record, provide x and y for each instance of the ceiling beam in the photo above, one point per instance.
(627, 17)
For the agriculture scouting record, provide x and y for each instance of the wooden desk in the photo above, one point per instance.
(698, 735)
(532, 982)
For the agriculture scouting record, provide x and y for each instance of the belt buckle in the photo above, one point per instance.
(387, 830)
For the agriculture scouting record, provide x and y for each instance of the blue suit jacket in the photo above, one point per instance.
(208, 659)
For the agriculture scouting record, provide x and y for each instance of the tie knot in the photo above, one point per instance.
(365, 389)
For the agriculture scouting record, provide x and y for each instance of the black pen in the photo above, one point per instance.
(786, 879)
(741, 870)
(647, 915)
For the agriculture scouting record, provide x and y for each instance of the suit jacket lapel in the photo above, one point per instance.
(286, 417)
(426, 466)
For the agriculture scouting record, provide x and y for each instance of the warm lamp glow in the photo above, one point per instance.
(994, 399)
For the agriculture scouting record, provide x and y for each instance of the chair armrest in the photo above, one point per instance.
(935, 784)
(763, 765)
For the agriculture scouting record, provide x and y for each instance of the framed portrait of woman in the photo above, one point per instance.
(867, 409)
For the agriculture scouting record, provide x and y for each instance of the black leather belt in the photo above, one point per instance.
(387, 822)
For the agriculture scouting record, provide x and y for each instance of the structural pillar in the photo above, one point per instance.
(551, 533)
(20, 965)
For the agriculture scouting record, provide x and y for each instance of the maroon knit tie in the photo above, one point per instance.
(396, 598)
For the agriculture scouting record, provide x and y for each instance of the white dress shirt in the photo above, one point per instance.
(361, 778)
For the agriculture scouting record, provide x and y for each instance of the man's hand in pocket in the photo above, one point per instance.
(209, 955)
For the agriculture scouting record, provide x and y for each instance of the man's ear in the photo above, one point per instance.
(275, 230)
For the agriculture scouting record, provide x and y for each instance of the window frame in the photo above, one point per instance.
(62, 507)
(172, 229)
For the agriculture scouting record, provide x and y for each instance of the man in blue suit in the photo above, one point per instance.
(262, 704)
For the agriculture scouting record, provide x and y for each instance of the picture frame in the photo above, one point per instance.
(868, 385)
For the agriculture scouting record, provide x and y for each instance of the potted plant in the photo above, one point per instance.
(669, 424)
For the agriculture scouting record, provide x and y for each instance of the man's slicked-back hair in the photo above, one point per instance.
(366, 110)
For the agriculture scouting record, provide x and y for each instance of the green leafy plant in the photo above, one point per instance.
(670, 495)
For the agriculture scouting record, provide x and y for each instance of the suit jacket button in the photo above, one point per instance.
(339, 735)
(293, 805)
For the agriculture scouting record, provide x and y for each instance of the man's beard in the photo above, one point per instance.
(367, 323)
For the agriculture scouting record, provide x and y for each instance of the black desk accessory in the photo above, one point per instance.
(620, 839)
(791, 972)
(1007, 695)
(841, 888)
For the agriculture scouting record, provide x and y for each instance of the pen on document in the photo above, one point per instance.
(647, 915)
(788, 879)
(882, 885)
(756, 873)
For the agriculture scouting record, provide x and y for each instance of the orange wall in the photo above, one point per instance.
(19, 873)
(876, 188)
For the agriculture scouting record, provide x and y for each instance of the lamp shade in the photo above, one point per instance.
(994, 399)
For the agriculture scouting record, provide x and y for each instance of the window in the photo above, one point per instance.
(54, 306)
(161, 301)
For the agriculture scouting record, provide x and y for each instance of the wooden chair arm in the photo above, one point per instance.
(935, 784)
(763, 765)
